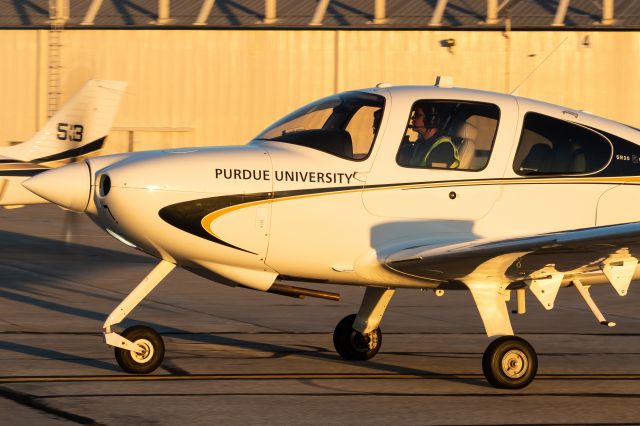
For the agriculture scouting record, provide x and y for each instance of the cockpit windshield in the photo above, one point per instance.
(345, 125)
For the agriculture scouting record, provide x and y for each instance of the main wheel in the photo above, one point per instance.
(353, 345)
(509, 362)
(151, 356)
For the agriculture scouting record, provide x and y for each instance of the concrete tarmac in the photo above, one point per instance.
(241, 357)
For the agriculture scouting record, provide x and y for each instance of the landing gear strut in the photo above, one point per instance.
(509, 362)
(139, 349)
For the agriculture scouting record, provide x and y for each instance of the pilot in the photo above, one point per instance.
(433, 148)
(377, 118)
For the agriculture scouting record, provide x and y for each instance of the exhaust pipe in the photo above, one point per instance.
(300, 293)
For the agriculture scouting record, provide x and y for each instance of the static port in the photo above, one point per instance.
(105, 185)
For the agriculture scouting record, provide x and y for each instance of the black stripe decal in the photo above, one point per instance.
(187, 216)
(22, 172)
(75, 152)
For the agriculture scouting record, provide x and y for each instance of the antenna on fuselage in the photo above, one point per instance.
(538, 66)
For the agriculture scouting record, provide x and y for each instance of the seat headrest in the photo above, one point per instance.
(467, 131)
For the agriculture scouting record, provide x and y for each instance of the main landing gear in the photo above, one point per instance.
(509, 362)
(353, 345)
(358, 337)
(139, 349)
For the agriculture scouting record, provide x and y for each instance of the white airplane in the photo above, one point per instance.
(539, 197)
(76, 130)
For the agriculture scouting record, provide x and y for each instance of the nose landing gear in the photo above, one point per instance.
(149, 358)
(139, 349)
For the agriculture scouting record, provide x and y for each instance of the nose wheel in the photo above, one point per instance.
(151, 355)
(353, 345)
(509, 362)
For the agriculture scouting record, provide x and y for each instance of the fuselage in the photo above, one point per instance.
(278, 209)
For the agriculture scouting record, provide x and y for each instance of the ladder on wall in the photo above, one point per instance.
(53, 58)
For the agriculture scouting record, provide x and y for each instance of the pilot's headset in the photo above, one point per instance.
(431, 116)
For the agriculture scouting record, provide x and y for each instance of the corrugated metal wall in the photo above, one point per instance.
(195, 87)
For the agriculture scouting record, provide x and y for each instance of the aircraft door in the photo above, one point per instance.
(442, 165)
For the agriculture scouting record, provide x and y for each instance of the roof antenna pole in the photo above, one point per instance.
(270, 13)
(608, 16)
(561, 13)
(164, 12)
(205, 10)
(318, 15)
(539, 65)
(492, 12)
(438, 13)
(380, 12)
(90, 16)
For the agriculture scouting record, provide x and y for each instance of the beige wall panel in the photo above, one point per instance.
(138, 140)
(477, 60)
(19, 51)
(201, 87)
(227, 85)
(594, 71)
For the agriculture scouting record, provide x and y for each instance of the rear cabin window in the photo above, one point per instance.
(449, 135)
(549, 146)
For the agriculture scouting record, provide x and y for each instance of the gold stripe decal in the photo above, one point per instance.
(197, 217)
(208, 220)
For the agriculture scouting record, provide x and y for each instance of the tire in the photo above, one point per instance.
(134, 363)
(510, 362)
(352, 345)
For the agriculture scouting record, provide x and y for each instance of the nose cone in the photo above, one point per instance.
(67, 186)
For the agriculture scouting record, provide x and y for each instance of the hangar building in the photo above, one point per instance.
(216, 72)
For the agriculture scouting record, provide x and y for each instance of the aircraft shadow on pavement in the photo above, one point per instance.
(24, 254)
(33, 250)
(57, 356)
(279, 351)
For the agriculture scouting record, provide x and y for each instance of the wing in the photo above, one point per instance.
(542, 263)
(570, 252)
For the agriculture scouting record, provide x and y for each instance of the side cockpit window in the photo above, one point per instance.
(449, 135)
(344, 125)
(549, 146)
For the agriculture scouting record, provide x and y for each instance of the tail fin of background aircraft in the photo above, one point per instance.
(77, 129)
